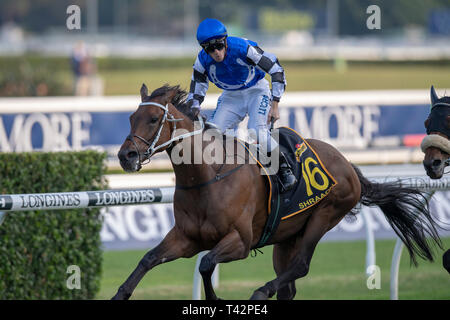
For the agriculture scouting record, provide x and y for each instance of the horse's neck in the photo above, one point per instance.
(192, 174)
(186, 124)
(189, 166)
(187, 156)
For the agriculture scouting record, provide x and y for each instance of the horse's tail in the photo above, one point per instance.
(407, 211)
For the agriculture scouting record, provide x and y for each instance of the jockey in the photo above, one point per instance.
(238, 66)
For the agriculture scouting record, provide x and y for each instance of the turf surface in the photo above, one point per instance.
(300, 77)
(337, 272)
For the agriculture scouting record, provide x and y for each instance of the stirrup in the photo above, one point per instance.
(285, 174)
(287, 185)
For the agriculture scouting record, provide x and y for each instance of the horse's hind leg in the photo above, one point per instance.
(317, 226)
(287, 292)
(173, 246)
(230, 248)
(282, 256)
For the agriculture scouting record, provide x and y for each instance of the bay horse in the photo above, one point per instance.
(436, 145)
(227, 215)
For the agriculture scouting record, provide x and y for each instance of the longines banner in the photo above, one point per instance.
(355, 119)
(83, 199)
(144, 226)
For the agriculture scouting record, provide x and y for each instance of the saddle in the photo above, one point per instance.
(314, 181)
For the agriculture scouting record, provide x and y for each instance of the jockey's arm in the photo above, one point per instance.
(199, 85)
(269, 63)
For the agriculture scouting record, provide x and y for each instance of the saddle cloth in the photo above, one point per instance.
(314, 182)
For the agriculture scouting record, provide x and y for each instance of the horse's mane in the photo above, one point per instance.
(178, 100)
(444, 99)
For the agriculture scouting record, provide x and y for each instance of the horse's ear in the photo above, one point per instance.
(433, 95)
(144, 92)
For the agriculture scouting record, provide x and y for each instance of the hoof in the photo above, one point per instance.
(259, 295)
(120, 295)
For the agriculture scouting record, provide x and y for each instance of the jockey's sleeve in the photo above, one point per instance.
(268, 63)
(199, 84)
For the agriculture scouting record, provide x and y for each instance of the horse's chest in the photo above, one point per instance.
(199, 230)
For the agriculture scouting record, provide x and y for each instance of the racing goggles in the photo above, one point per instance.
(214, 44)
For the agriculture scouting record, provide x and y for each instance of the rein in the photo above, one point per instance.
(213, 180)
(217, 177)
(152, 148)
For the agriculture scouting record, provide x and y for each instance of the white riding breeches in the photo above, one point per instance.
(233, 106)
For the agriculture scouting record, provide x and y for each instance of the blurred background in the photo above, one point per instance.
(325, 45)
(364, 90)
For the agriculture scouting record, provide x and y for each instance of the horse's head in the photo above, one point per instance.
(152, 126)
(436, 145)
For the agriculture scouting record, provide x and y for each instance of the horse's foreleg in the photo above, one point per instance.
(230, 248)
(317, 226)
(173, 246)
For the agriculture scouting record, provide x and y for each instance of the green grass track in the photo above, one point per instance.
(337, 271)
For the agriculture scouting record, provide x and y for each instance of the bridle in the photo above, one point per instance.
(447, 163)
(429, 142)
(438, 127)
(152, 147)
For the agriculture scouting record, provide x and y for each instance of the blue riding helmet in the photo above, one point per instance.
(210, 29)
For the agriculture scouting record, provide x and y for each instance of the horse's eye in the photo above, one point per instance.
(154, 120)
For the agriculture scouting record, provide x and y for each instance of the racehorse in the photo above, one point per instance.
(225, 213)
(436, 145)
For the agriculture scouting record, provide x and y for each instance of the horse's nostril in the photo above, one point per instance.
(437, 163)
(426, 163)
(125, 155)
(132, 155)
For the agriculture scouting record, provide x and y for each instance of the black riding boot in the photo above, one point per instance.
(288, 180)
